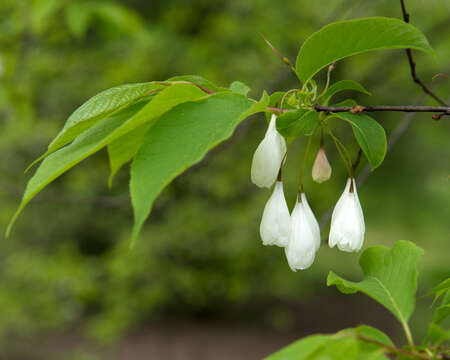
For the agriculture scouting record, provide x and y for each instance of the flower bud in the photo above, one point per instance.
(303, 237)
(321, 170)
(268, 157)
(347, 221)
(275, 220)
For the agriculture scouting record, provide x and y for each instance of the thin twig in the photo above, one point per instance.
(372, 108)
(283, 58)
(443, 110)
(412, 63)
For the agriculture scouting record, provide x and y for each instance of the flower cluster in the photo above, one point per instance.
(299, 232)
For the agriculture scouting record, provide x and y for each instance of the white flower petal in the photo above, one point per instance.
(268, 157)
(274, 226)
(347, 222)
(301, 248)
(331, 239)
(312, 221)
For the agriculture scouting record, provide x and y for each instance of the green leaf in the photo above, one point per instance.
(301, 349)
(439, 290)
(102, 134)
(96, 108)
(437, 334)
(297, 122)
(370, 135)
(345, 38)
(341, 86)
(368, 350)
(275, 101)
(343, 345)
(239, 87)
(443, 310)
(200, 81)
(178, 140)
(63, 159)
(123, 149)
(390, 277)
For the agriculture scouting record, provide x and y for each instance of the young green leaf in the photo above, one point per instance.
(102, 134)
(341, 86)
(200, 81)
(123, 149)
(63, 159)
(301, 349)
(443, 310)
(367, 349)
(178, 140)
(439, 290)
(98, 107)
(437, 334)
(345, 344)
(345, 38)
(390, 277)
(370, 135)
(297, 122)
(275, 101)
(239, 87)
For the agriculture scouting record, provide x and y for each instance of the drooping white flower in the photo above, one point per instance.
(303, 237)
(321, 170)
(275, 220)
(268, 156)
(347, 222)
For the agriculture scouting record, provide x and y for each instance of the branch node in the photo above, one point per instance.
(436, 116)
(357, 109)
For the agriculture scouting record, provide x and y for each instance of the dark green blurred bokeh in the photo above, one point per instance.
(67, 266)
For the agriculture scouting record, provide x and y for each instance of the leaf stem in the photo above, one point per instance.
(408, 334)
(305, 158)
(330, 69)
(343, 152)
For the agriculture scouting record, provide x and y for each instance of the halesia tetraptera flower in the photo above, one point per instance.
(275, 220)
(321, 170)
(303, 237)
(268, 157)
(347, 222)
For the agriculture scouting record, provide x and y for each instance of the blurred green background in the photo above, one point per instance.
(199, 284)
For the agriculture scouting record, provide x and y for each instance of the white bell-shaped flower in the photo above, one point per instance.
(347, 222)
(268, 157)
(275, 220)
(303, 237)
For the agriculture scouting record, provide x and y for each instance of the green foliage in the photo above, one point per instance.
(440, 289)
(208, 251)
(239, 87)
(103, 133)
(98, 107)
(390, 277)
(123, 149)
(342, 86)
(198, 126)
(297, 123)
(370, 135)
(342, 39)
(346, 344)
